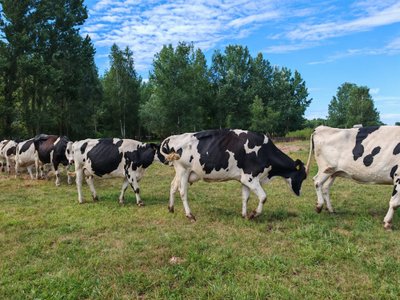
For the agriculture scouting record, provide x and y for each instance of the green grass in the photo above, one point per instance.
(53, 248)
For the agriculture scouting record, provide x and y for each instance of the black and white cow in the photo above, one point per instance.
(219, 155)
(51, 150)
(110, 157)
(2, 157)
(7, 152)
(366, 155)
(26, 157)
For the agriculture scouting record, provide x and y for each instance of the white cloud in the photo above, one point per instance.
(145, 26)
(321, 31)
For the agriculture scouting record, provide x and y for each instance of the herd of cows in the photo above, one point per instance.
(366, 155)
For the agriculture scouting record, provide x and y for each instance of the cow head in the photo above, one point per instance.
(297, 177)
(69, 153)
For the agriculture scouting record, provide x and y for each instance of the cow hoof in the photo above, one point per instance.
(318, 209)
(191, 217)
(171, 209)
(388, 226)
(82, 202)
(95, 199)
(121, 202)
(252, 215)
(140, 203)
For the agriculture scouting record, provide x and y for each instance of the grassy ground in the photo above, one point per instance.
(53, 248)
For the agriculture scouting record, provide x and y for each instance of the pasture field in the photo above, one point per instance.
(53, 248)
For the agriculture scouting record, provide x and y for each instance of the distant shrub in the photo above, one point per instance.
(302, 134)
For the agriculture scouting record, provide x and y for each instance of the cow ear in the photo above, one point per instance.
(298, 164)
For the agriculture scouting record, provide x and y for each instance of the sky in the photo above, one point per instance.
(328, 42)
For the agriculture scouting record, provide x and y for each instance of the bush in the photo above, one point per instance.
(302, 134)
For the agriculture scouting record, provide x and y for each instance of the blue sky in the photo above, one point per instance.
(329, 42)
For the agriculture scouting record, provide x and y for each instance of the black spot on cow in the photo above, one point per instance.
(119, 143)
(11, 150)
(396, 149)
(362, 134)
(26, 146)
(137, 191)
(142, 157)
(191, 158)
(59, 152)
(393, 171)
(83, 147)
(369, 159)
(394, 191)
(104, 156)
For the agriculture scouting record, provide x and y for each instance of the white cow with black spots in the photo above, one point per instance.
(229, 154)
(366, 155)
(27, 157)
(7, 152)
(110, 157)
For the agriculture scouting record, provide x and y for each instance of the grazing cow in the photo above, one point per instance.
(26, 156)
(366, 155)
(110, 157)
(8, 151)
(219, 155)
(2, 157)
(51, 150)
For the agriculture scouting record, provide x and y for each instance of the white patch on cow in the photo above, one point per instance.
(250, 150)
(239, 131)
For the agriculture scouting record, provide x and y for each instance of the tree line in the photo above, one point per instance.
(49, 83)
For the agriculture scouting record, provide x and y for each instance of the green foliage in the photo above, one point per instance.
(352, 105)
(180, 91)
(50, 79)
(304, 133)
(121, 101)
(314, 123)
(263, 119)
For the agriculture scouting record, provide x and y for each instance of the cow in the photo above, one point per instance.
(8, 151)
(366, 155)
(228, 154)
(111, 157)
(51, 150)
(26, 156)
(2, 157)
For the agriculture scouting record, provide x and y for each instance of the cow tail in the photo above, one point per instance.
(168, 153)
(310, 153)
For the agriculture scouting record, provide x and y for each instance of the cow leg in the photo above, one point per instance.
(319, 181)
(325, 193)
(394, 203)
(135, 186)
(255, 186)
(78, 179)
(183, 178)
(55, 170)
(8, 165)
(69, 178)
(245, 199)
(89, 181)
(16, 168)
(29, 168)
(123, 190)
(173, 190)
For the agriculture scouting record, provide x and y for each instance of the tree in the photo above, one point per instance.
(180, 91)
(121, 95)
(47, 69)
(263, 119)
(230, 76)
(352, 105)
